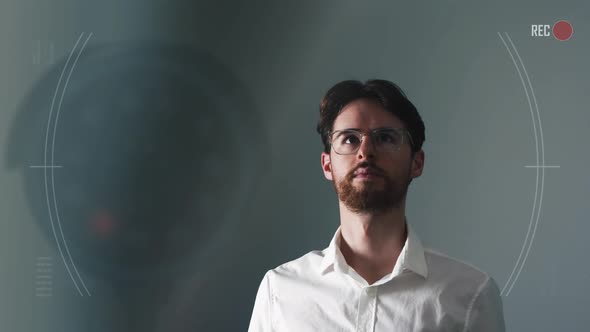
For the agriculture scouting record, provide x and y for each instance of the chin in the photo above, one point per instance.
(368, 184)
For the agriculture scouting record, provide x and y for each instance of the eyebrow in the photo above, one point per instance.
(358, 129)
(345, 129)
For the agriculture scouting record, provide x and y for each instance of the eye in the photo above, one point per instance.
(388, 137)
(349, 138)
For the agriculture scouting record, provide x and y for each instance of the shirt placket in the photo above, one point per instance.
(366, 310)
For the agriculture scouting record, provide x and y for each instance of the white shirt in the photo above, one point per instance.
(426, 291)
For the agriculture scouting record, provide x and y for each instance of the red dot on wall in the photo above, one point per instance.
(103, 224)
(562, 30)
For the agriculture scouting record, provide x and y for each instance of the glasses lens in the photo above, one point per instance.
(389, 139)
(346, 141)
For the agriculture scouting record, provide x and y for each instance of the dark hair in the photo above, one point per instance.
(386, 93)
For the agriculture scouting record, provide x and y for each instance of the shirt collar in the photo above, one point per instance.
(411, 257)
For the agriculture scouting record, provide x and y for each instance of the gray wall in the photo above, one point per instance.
(476, 200)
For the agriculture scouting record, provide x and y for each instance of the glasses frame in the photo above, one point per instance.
(371, 133)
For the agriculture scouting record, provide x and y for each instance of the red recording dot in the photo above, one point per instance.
(562, 30)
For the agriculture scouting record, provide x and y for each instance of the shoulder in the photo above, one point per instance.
(460, 284)
(301, 266)
(453, 271)
(299, 271)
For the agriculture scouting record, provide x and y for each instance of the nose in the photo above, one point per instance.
(366, 149)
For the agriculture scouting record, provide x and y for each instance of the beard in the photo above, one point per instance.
(376, 196)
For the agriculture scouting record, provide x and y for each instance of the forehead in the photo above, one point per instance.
(365, 114)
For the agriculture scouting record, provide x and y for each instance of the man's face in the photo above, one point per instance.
(390, 171)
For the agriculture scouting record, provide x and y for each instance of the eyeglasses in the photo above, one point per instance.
(348, 141)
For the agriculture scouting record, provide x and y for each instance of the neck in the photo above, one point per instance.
(371, 243)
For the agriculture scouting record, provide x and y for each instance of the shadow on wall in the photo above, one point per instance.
(138, 160)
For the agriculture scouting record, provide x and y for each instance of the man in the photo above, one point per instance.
(375, 276)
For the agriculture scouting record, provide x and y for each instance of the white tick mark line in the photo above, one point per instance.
(41, 166)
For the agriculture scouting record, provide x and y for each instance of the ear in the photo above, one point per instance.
(327, 166)
(418, 164)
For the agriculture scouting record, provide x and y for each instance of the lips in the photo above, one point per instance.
(366, 172)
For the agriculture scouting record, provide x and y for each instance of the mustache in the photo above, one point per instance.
(369, 166)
